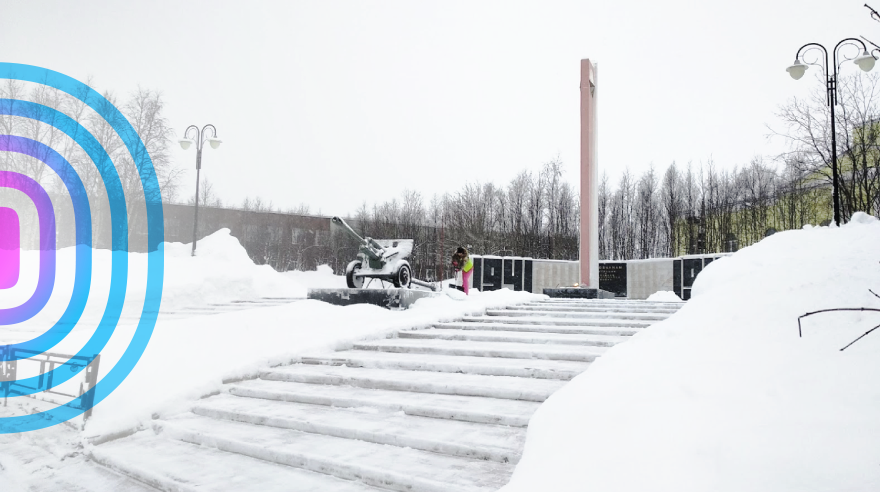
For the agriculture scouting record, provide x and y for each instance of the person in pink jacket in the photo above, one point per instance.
(461, 261)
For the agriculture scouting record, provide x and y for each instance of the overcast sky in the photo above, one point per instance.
(333, 103)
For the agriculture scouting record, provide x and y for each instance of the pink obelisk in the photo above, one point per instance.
(589, 241)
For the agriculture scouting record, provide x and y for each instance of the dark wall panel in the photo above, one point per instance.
(513, 273)
(491, 274)
(477, 277)
(676, 277)
(692, 268)
(612, 278)
(527, 275)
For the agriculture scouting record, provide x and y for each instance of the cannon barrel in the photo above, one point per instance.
(368, 245)
(341, 223)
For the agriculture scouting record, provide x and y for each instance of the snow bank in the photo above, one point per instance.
(724, 395)
(220, 271)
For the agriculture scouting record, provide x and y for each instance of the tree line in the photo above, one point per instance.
(694, 208)
(536, 214)
(691, 209)
(143, 109)
(704, 209)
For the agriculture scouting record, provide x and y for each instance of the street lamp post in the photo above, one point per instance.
(200, 138)
(865, 61)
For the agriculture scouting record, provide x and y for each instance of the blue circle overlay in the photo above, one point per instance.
(83, 272)
(119, 272)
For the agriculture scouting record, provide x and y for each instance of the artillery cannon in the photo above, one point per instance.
(383, 259)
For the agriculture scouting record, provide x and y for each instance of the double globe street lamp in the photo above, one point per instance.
(865, 61)
(199, 139)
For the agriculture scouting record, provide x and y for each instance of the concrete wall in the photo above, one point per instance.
(554, 273)
(636, 279)
(645, 277)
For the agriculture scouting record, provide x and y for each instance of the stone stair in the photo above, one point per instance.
(16, 334)
(219, 307)
(443, 408)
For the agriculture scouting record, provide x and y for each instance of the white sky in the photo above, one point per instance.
(333, 103)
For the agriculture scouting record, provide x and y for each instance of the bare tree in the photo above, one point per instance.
(208, 198)
(672, 208)
(806, 127)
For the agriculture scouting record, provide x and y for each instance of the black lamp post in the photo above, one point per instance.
(865, 61)
(200, 138)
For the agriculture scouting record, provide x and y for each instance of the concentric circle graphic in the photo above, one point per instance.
(83, 271)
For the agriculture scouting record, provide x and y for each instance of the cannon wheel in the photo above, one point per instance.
(352, 281)
(403, 277)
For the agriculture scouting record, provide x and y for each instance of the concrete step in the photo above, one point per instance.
(484, 349)
(247, 304)
(606, 302)
(437, 409)
(577, 315)
(543, 320)
(528, 368)
(390, 467)
(478, 441)
(95, 478)
(594, 309)
(514, 336)
(214, 308)
(473, 324)
(268, 300)
(53, 462)
(505, 387)
(174, 466)
(463, 408)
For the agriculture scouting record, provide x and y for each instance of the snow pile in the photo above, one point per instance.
(220, 271)
(663, 296)
(724, 395)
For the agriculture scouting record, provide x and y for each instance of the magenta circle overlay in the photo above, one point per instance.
(10, 248)
(46, 215)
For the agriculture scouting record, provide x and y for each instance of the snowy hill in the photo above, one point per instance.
(724, 395)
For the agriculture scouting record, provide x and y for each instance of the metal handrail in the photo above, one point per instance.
(9, 370)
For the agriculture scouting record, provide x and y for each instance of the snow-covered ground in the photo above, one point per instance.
(724, 395)
(190, 354)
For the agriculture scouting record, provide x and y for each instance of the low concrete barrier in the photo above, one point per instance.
(386, 298)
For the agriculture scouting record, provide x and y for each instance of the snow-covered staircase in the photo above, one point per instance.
(218, 307)
(437, 409)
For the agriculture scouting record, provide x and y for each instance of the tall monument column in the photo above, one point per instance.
(589, 240)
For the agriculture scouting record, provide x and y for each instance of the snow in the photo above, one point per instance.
(663, 296)
(321, 278)
(220, 271)
(190, 354)
(724, 395)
